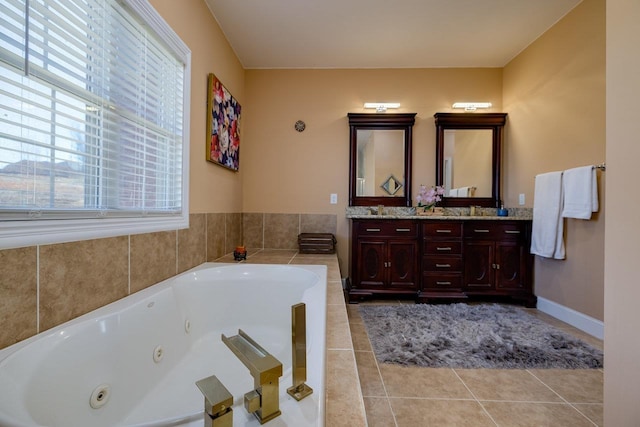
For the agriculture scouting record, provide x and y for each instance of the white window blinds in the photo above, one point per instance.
(93, 111)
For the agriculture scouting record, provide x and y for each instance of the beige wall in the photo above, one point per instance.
(287, 171)
(554, 93)
(213, 188)
(622, 317)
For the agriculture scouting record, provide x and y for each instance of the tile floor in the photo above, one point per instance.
(396, 396)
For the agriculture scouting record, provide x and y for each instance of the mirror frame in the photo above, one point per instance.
(492, 121)
(401, 121)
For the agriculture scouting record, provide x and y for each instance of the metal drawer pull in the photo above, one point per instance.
(403, 229)
(481, 231)
(443, 265)
(443, 283)
(443, 249)
(373, 229)
(443, 231)
(512, 231)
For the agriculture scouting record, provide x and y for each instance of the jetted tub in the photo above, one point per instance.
(135, 362)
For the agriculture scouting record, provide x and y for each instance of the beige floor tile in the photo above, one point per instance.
(574, 385)
(521, 414)
(439, 413)
(378, 412)
(506, 384)
(370, 380)
(594, 411)
(441, 383)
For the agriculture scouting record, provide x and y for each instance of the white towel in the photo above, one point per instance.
(547, 235)
(580, 192)
(463, 192)
(453, 192)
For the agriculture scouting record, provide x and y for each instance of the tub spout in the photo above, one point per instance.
(265, 369)
(299, 390)
(217, 403)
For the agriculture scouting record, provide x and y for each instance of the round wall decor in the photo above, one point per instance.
(300, 126)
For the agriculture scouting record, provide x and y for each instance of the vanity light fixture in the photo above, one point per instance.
(471, 106)
(381, 107)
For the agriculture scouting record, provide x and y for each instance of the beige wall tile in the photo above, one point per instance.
(233, 235)
(281, 231)
(318, 223)
(18, 295)
(192, 243)
(153, 258)
(78, 277)
(343, 397)
(215, 236)
(253, 230)
(338, 335)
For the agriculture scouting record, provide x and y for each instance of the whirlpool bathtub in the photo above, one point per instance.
(135, 362)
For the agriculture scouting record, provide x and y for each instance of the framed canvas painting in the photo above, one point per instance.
(223, 125)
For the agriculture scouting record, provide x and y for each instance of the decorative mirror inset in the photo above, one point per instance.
(380, 159)
(391, 185)
(468, 157)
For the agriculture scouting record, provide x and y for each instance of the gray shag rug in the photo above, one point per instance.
(472, 336)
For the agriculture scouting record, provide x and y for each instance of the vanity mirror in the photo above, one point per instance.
(468, 158)
(380, 159)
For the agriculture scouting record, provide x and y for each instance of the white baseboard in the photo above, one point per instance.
(568, 315)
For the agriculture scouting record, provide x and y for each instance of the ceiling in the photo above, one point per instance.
(383, 33)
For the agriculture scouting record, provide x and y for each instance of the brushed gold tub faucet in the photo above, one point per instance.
(265, 369)
(217, 402)
(299, 390)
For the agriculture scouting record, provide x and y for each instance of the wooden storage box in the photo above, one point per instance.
(316, 243)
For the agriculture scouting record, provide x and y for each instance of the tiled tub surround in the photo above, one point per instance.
(59, 370)
(44, 286)
(19, 296)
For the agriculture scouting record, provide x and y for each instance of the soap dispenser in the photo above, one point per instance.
(502, 211)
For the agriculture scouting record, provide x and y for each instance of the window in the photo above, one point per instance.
(93, 121)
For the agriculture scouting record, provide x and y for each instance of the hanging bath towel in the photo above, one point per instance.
(547, 235)
(580, 192)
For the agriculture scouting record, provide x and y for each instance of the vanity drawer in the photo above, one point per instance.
(442, 281)
(392, 228)
(494, 231)
(442, 247)
(442, 229)
(442, 264)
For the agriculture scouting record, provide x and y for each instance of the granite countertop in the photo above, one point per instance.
(390, 212)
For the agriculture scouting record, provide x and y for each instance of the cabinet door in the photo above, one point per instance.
(510, 259)
(403, 264)
(372, 263)
(479, 265)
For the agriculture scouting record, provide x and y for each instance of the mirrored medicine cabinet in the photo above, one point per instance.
(380, 159)
(468, 158)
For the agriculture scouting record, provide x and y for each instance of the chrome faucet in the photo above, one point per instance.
(217, 403)
(265, 369)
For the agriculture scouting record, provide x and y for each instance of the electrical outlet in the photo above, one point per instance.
(521, 199)
(333, 199)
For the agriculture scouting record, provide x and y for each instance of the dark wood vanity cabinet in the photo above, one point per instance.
(442, 260)
(497, 259)
(384, 257)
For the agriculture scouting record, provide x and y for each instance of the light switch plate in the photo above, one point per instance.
(521, 199)
(333, 199)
